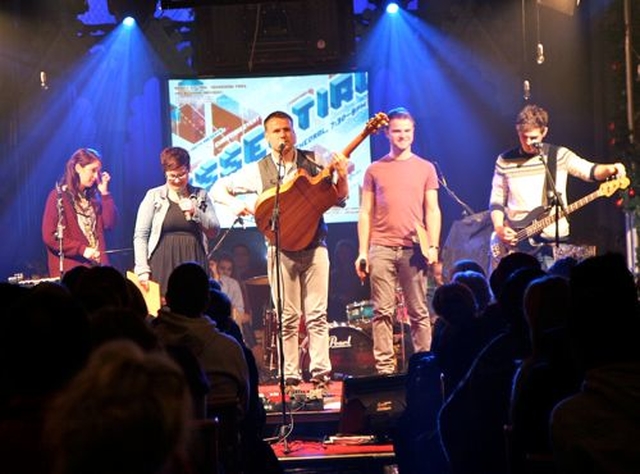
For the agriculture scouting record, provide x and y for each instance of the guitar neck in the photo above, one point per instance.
(353, 144)
(539, 225)
(305, 198)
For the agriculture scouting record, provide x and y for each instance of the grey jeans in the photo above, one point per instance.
(392, 268)
(304, 292)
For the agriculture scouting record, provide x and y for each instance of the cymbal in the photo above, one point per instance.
(260, 280)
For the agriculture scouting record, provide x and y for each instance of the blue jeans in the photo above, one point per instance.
(392, 268)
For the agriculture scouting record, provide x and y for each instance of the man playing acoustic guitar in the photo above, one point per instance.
(526, 181)
(305, 270)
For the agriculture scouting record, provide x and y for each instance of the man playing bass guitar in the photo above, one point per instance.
(526, 182)
(305, 270)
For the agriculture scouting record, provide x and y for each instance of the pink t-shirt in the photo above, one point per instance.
(399, 189)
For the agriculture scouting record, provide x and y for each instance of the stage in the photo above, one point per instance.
(307, 436)
(315, 457)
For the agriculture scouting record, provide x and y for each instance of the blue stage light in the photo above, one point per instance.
(129, 21)
(392, 7)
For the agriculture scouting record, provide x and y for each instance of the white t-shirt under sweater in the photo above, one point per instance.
(518, 184)
(399, 188)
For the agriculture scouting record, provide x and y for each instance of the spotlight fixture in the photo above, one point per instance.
(393, 6)
(139, 11)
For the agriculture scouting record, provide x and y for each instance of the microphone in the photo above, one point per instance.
(537, 146)
(187, 214)
(362, 266)
(240, 221)
(526, 89)
(43, 80)
(281, 147)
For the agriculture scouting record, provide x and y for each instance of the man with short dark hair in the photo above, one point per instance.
(529, 177)
(304, 273)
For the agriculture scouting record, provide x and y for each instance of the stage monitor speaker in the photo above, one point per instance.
(372, 405)
(468, 239)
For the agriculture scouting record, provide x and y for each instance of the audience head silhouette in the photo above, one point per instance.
(477, 283)
(604, 320)
(126, 412)
(46, 338)
(455, 303)
(188, 290)
(465, 264)
(507, 265)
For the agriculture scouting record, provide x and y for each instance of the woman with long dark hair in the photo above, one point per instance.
(77, 213)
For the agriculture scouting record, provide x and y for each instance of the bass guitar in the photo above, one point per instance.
(305, 198)
(540, 218)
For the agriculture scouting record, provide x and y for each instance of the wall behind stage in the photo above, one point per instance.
(460, 71)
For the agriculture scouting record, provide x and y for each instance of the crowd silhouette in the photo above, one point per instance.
(92, 383)
(542, 378)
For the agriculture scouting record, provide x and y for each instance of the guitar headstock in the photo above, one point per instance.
(609, 187)
(376, 122)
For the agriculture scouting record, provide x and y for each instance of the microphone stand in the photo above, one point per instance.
(60, 229)
(466, 210)
(224, 235)
(554, 195)
(275, 228)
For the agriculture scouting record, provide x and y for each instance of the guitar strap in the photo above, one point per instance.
(552, 164)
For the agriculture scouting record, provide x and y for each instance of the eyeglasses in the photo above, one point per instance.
(176, 177)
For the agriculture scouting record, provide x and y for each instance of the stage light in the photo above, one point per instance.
(392, 7)
(139, 11)
(129, 21)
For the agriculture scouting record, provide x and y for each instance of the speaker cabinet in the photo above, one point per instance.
(298, 35)
(372, 405)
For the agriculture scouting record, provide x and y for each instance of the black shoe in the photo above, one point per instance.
(292, 382)
(291, 386)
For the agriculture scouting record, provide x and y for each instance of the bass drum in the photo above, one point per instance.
(350, 351)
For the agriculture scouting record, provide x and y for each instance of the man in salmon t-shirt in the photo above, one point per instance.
(399, 196)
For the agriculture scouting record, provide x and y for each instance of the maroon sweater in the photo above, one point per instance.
(74, 241)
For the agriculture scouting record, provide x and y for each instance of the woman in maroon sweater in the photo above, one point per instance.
(77, 213)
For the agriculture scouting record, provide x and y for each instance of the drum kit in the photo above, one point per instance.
(350, 343)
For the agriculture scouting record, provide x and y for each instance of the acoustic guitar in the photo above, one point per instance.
(540, 218)
(305, 198)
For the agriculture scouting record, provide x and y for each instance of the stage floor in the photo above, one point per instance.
(311, 427)
(312, 457)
